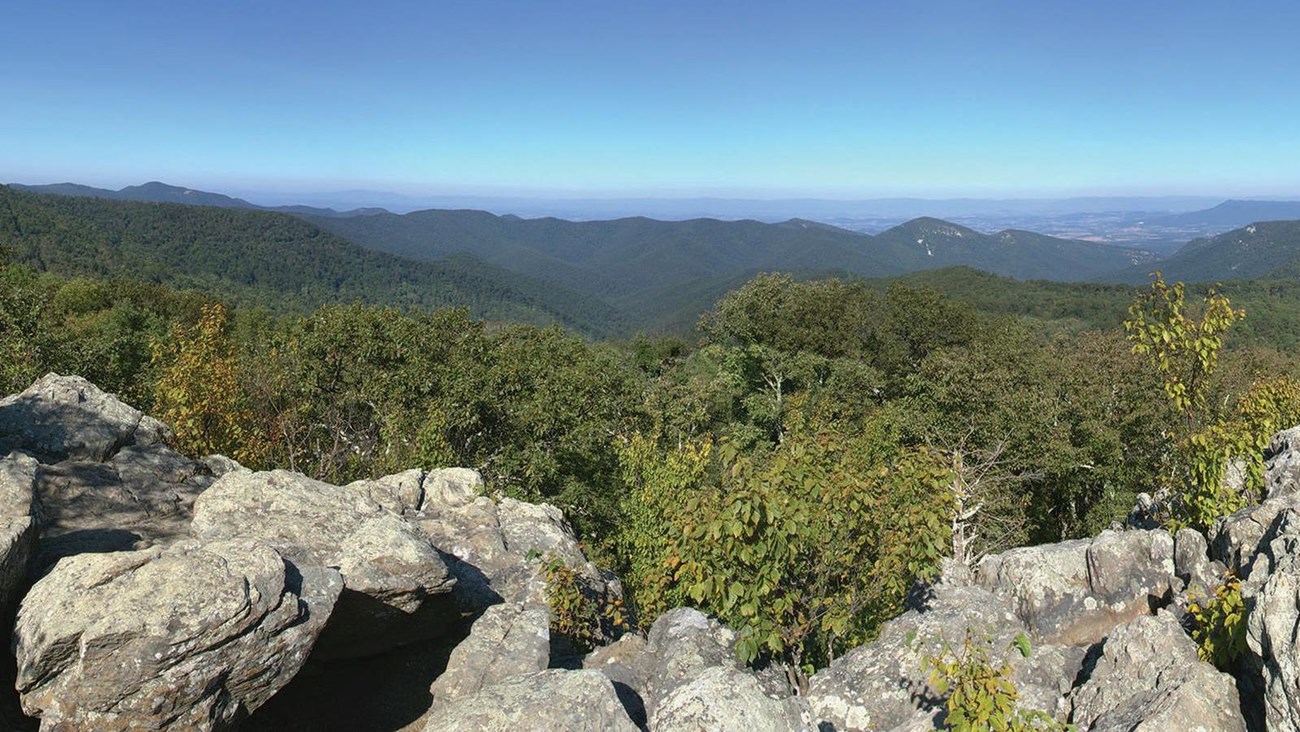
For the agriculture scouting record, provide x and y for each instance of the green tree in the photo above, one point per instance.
(806, 549)
(1181, 342)
(197, 391)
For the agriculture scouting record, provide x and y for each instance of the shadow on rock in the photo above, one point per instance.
(383, 693)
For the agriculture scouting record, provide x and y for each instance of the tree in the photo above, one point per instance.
(1182, 344)
(807, 549)
(197, 392)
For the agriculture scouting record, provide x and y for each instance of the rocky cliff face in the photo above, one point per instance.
(149, 591)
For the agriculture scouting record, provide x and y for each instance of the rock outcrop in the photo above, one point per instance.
(885, 684)
(68, 418)
(140, 497)
(1075, 591)
(547, 701)
(178, 594)
(498, 548)
(1282, 464)
(393, 577)
(675, 679)
(1149, 679)
(190, 637)
(1271, 629)
(17, 525)
(725, 698)
(506, 641)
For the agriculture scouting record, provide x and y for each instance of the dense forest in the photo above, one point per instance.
(271, 260)
(793, 466)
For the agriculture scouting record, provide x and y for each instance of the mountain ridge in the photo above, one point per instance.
(269, 258)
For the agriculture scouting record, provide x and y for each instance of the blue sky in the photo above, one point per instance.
(844, 99)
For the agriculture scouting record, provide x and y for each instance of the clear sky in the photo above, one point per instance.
(855, 98)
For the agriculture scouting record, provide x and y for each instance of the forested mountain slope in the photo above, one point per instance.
(156, 192)
(1265, 249)
(270, 259)
(623, 257)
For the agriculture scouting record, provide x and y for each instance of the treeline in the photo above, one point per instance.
(794, 469)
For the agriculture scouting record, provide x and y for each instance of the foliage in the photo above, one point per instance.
(197, 391)
(1181, 344)
(22, 308)
(657, 480)
(576, 614)
(806, 549)
(979, 693)
(1184, 349)
(1219, 625)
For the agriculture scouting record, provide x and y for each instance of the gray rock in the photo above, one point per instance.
(219, 465)
(726, 699)
(1075, 591)
(451, 487)
(540, 528)
(547, 701)
(1271, 625)
(143, 496)
(69, 418)
(884, 685)
(506, 641)
(401, 493)
(499, 549)
(624, 662)
(1241, 539)
(18, 528)
(682, 644)
(1282, 464)
(1192, 563)
(191, 637)
(1149, 679)
(392, 575)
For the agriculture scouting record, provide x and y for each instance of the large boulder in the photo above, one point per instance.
(498, 549)
(1274, 599)
(682, 644)
(686, 656)
(624, 662)
(1200, 574)
(727, 699)
(1241, 540)
(142, 496)
(394, 579)
(506, 641)
(554, 700)
(400, 493)
(1074, 592)
(17, 525)
(451, 487)
(1282, 464)
(192, 637)
(1149, 679)
(69, 418)
(885, 685)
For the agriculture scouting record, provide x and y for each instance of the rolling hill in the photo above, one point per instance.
(270, 259)
(1269, 249)
(1234, 214)
(622, 258)
(156, 192)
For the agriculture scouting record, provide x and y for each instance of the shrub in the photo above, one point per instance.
(979, 694)
(1219, 625)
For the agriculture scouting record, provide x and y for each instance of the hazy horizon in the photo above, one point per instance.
(834, 100)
